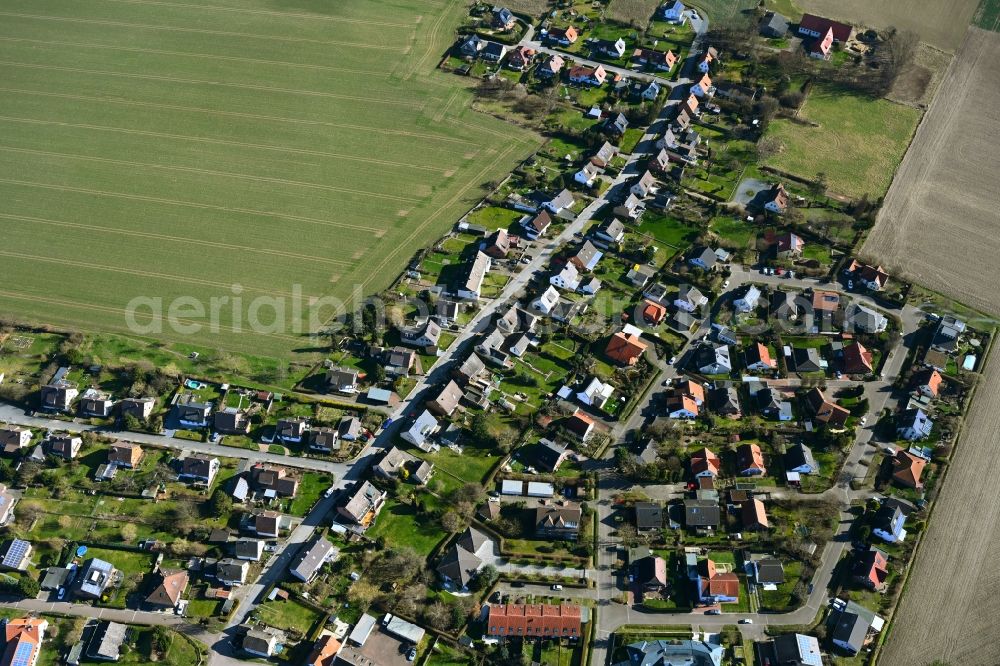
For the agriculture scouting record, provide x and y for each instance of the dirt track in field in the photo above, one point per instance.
(940, 224)
(938, 22)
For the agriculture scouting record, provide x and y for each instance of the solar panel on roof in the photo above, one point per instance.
(22, 656)
(15, 554)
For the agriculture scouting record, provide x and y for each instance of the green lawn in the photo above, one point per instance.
(277, 151)
(125, 561)
(630, 140)
(311, 486)
(858, 143)
(402, 525)
(493, 217)
(735, 232)
(287, 614)
(667, 230)
(470, 466)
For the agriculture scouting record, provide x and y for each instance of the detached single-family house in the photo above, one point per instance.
(596, 393)
(713, 359)
(291, 429)
(264, 643)
(799, 458)
(748, 301)
(311, 558)
(580, 425)
(611, 231)
(753, 516)
(888, 524)
(15, 554)
(559, 202)
(168, 589)
(873, 277)
(789, 246)
(536, 226)
(231, 572)
(446, 402)
(562, 36)
(502, 18)
(472, 46)
(757, 357)
(58, 396)
(710, 55)
(811, 25)
(93, 577)
(14, 438)
(461, 563)
(231, 421)
(192, 413)
(715, 587)
(673, 10)
(926, 383)
(703, 87)
(138, 408)
(907, 469)
(776, 199)
(424, 334)
(64, 446)
(470, 284)
(560, 521)
(520, 58)
(324, 440)
(625, 348)
(587, 257)
(550, 66)
(199, 470)
(650, 573)
(773, 25)
(616, 124)
(871, 569)
(602, 158)
(704, 463)
(689, 298)
(857, 360)
(493, 51)
(550, 455)
(750, 460)
(95, 403)
(661, 60)
(546, 301)
(590, 76)
(632, 208)
(643, 187)
(587, 175)
(363, 504)
(703, 257)
(865, 320)
(610, 48)
(914, 425)
(424, 428)
(826, 411)
(342, 380)
(568, 279)
(701, 515)
(124, 455)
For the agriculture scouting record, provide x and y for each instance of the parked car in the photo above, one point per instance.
(411, 654)
(746, 620)
(713, 611)
(557, 588)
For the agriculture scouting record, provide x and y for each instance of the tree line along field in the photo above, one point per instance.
(169, 149)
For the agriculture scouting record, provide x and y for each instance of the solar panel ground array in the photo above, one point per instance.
(174, 149)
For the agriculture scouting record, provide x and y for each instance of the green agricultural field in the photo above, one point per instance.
(858, 142)
(174, 150)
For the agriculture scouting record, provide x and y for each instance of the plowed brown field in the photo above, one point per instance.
(940, 224)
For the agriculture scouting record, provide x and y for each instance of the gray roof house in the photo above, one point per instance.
(93, 578)
(312, 557)
(773, 25)
(673, 653)
(106, 641)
